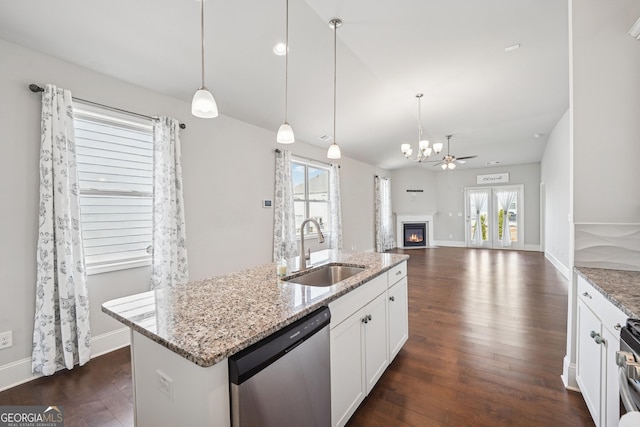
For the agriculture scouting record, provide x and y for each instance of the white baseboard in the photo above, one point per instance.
(19, 372)
(450, 243)
(460, 244)
(569, 375)
(563, 269)
(106, 343)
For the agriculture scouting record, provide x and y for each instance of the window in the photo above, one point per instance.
(311, 195)
(115, 171)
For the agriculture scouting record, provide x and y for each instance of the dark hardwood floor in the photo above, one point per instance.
(486, 341)
(99, 393)
(487, 335)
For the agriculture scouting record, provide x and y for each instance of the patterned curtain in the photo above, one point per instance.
(478, 204)
(384, 219)
(284, 218)
(169, 260)
(61, 334)
(505, 198)
(335, 211)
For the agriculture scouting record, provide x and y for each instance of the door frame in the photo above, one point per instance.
(492, 206)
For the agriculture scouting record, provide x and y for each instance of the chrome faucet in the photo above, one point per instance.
(306, 256)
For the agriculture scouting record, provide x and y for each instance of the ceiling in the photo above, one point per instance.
(453, 51)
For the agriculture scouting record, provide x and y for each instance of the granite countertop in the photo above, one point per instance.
(208, 320)
(621, 287)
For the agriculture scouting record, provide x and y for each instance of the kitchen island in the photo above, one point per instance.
(182, 336)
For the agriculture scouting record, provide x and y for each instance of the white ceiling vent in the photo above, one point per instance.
(635, 30)
(326, 138)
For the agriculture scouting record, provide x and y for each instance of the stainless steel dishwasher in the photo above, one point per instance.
(284, 380)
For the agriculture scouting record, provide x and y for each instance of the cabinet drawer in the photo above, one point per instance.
(353, 301)
(611, 316)
(397, 273)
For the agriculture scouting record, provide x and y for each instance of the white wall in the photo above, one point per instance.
(555, 174)
(228, 169)
(418, 178)
(606, 111)
(605, 130)
(450, 190)
(444, 193)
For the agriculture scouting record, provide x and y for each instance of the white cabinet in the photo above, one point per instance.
(376, 355)
(347, 378)
(589, 359)
(398, 317)
(362, 323)
(359, 357)
(598, 339)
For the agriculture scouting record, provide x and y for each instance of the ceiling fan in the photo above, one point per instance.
(449, 161)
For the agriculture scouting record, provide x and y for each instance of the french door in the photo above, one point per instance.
(494, 217)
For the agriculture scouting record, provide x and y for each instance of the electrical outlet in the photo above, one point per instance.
(165, 384)
(6, 339)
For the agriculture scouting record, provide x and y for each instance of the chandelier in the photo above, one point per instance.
(424, 151)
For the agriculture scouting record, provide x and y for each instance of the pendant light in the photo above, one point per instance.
(334, 149)
(203, 105)
(285, 132)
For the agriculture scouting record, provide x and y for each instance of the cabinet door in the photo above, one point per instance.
(347, 369)
(376, 342)
(398, 317)
(589, 360)
(611, 404)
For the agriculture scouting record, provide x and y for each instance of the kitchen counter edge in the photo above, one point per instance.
(620, 287)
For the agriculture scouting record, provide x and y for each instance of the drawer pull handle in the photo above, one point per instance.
(392, 298)
(399, 272)
(586, 294)
(617, 327)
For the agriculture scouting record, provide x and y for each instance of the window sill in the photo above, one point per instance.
(115, 266)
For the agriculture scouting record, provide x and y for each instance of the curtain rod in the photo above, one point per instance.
(277, 150)
(35, 89)
(381, 177)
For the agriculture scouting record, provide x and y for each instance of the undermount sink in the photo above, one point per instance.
(327, 275)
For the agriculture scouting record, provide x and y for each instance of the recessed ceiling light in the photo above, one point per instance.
(326, 138)
(512, 47)
(492, 162)
(537, 135)
(280, 49)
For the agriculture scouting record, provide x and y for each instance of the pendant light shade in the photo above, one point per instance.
(334, 150)
(285, 132)
(203, 105)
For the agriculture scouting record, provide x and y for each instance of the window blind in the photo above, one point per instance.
(115, 170)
